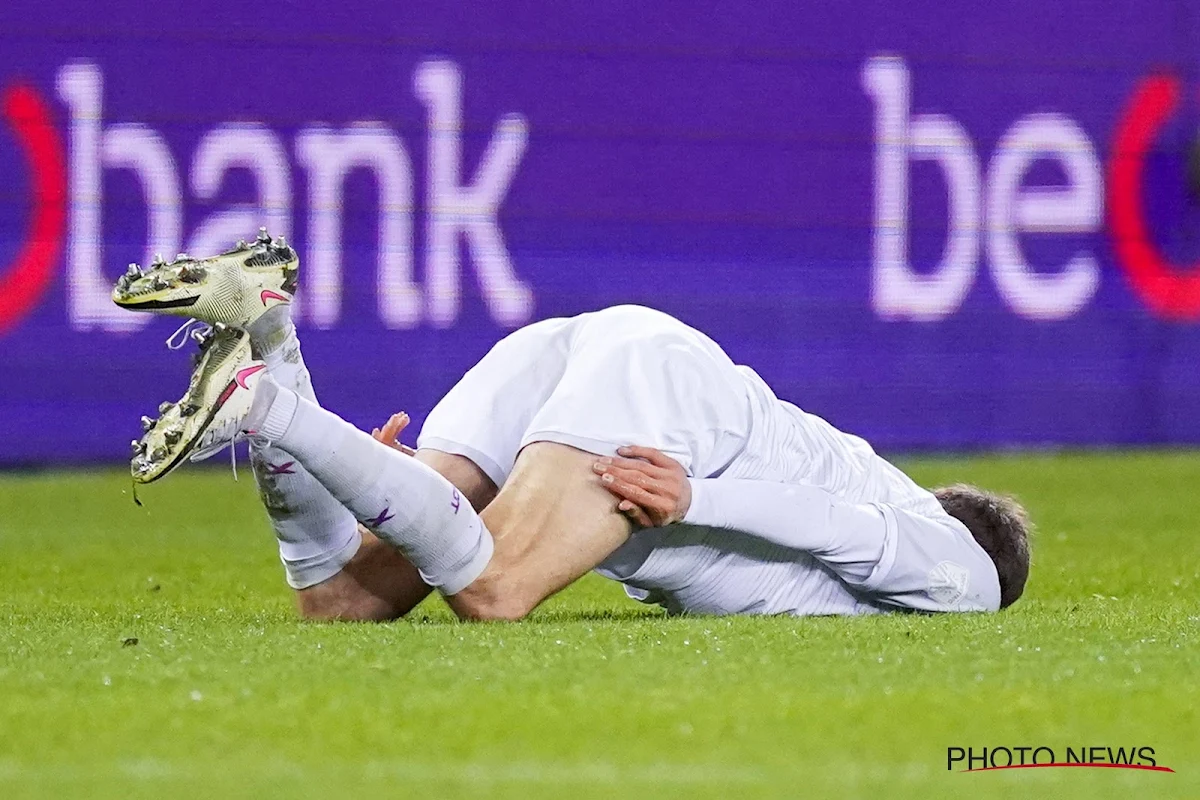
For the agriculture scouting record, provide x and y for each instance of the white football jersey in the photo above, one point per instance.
(631, 375)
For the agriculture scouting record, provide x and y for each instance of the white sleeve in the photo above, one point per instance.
(903, 559)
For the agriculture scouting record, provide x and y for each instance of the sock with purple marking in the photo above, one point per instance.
(317, 536)
(394, 495)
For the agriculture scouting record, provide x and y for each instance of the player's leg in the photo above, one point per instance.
(379, 583)
(399, 498)
(472, 439)
(375, 585)
(335, 571)
(464, 474)
(316, 535)
(634, 375)
(251, 287)
(551, 523)
(338, 569)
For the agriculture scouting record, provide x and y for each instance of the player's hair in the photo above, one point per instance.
(1000, 526)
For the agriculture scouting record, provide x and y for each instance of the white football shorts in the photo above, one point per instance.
(625, 375)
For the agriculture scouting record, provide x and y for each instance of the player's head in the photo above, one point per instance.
(1000, 525)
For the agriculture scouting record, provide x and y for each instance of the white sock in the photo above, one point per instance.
(273, 339)
(397, 497)
(317, 536)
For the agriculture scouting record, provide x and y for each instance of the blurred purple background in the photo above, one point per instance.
(906, 216)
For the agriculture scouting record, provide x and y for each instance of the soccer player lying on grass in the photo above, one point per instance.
(520, 485)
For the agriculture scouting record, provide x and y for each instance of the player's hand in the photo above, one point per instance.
(390, 433)
(653, 487)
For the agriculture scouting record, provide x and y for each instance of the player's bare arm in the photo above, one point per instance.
(855, 541)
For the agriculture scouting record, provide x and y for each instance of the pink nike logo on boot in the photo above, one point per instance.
(246, 372)
(267, 294)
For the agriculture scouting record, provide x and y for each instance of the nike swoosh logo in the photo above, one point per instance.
(267, 294)
(246, 372)
(132, 303)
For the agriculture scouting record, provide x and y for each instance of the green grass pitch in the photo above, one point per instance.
(225, 694)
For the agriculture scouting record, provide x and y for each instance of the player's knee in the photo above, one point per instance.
(493, 598)
(324, 611)
(331, 602)
(318, 609)
(499, 610)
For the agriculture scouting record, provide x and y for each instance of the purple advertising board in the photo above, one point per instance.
(938, 225)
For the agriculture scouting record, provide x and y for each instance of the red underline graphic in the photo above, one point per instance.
(1088, 764)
